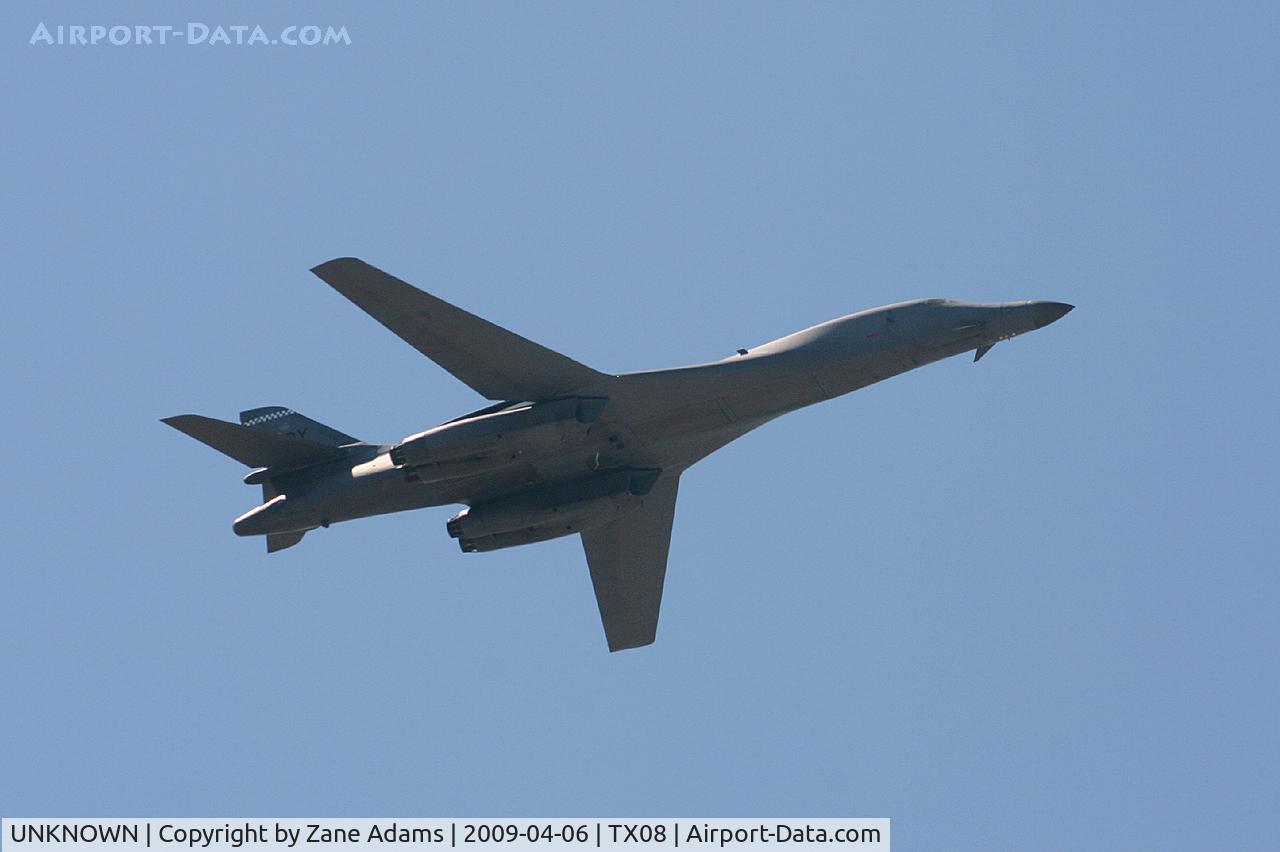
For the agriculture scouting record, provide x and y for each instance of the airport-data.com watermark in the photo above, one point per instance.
(193, 33)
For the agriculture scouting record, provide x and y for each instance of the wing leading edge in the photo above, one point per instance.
(628, 562)
(499, 364)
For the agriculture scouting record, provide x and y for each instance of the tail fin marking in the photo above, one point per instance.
(252, 446)
(278, 420)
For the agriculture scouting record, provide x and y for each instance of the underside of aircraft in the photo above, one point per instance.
(565, 449)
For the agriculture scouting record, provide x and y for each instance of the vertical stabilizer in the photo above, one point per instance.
(279, 420)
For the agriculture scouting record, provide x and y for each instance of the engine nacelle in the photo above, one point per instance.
(456, 468)
(517, 514)
(551, 512)
(512, 539)
(534, 425)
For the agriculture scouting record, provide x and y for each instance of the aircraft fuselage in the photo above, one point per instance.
(564, 448)
(514, 456)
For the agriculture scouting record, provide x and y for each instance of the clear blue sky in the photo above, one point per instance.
(1028, 603)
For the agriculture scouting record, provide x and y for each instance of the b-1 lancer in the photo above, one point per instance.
(565, 449)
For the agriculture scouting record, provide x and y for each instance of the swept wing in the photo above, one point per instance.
(628, 562)
(497, 363)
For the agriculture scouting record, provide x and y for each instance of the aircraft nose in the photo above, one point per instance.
(1043, 313)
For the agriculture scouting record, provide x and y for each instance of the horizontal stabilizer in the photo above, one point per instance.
(250, 446)
(499, 364)
(279, 541)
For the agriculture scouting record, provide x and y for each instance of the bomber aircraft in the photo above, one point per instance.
(565, 449)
